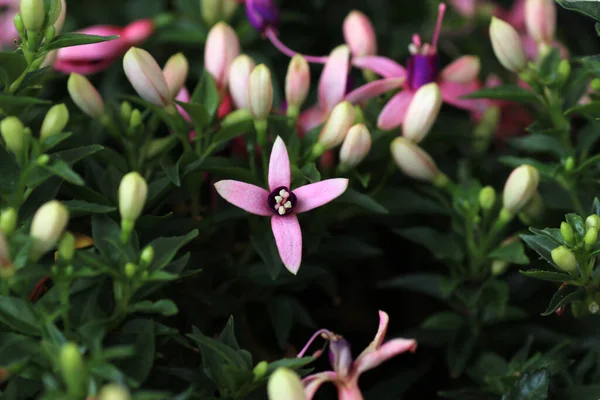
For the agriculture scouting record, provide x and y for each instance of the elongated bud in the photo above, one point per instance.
(72, 369)
(590, 238)
(13, 133)
(285, 384)
(126, 111)
(214, 11)
(335, 129)
(262, 14)
(415, 162)
(422, 112)
(356, 146)
(146, 77)
(8, 220)
(33, 14)
(260, 370)
(507, 45)
(55, 121)
(592, 221)
(520, 187)
(47, 227)
(487, 198)
(359, 34)
(130, 270)
(260, 93)
(59, 20)
(540, 20)
(297, 84)
(85, 96)
(114, 391)
(66, 249)
(222, 47)
(19, 25)
(564, 259)
(133, 191)
(567, 233)
(239, 74)
(175, 72)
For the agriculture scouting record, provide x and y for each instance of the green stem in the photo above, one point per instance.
(576, 202)
(64, 305)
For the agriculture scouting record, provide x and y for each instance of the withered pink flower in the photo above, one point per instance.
(346, 370)
(281, 203)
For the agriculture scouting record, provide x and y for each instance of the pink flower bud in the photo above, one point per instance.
(356, 146)
(540, 19)
(175, 72)
(507, 45)
(360, 35)
(335, 129)
(85, 96)
(239, 73)
(137, 31)
(297, 82)
(222, 47)
(260, 93)
(145, 76)
(463, 70)
(422, 112)
(413, 160)
(520, 187)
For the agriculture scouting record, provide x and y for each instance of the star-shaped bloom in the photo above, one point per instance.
(281, 203)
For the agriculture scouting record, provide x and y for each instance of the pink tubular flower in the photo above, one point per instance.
(8, 32)
(282, 204)
(92, 58)
(222, 47)
(347, 370)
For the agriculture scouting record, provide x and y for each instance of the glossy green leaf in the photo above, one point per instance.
(506, 92)
(75, 39)
(590, 8)
(548, 275)
(513, 253)
(563, 296)
(163, 307)
(19, 315)
(165, 248)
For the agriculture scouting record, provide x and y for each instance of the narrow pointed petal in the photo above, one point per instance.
(245, 196)
(279, 165)
(452, 93)
(384, 320)
(463, 70)
(288, 237)
(319, 193)
(394, 111)
(385, 352)
(383, 66)
(310, 119)
(312, 383)
(374, 89)
(332, 85)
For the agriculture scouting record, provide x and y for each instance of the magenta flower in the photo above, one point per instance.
(282, 204)
(8, 32)
(347, 370)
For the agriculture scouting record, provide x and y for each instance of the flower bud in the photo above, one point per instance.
(499, 267)
(33, 14)
(222, 47)
(335, 129)
(55, 121)
(567, 233)
(487, 198)
(239, 74)
(13, 133)
(592, 221)
(422, 112)
(8, 220)
(260, 370)
(413, 161)
(590, 238)
(146, 77)
(66, 249)
(47, 227)
(297, 84)
(285, 384)
(130, 270)
(540, 20)
(19, 25)
(563, 72)
(57, 19)
(507, 45)
(486, 129)
(214, 11)
(85, 96)
(564, 259)
(262, 14)
(114, 391)
(520, 187)
(72, 369)
(126, 111)
(133, 191)
(175, 72)
(147, 256)
(359, 34)
(356, 146)
(260, 93)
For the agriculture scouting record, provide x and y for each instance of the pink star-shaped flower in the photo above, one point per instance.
(282, 204)
(347, 370)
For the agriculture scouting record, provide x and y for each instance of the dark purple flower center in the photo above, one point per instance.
(282, 201)
(262, 14)
(422, 69)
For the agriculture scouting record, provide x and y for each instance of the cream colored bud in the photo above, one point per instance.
(47, 227)
(260, 93)
(356, 146)
(520, 187)
(335, 129)
(297, 82)
(422, 112)
(133, 192)
(284, 384)
(33, 14)
(413, 160)
(239, 74)
(13, 133)
(114, 391)
(146, 77)
(507, 45)
(85, 96)
(55, 121)
(175, 72)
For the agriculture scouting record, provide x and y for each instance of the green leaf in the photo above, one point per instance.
(225, 134)
(18, 315)
(81, 207)
(171, 170)
(543, 246)
(141, 334)
(434, 285)
(563, 296)
(222, 166)
(198, 113)
(364, 201)
(590, 110)
(532, 386)
(548, 275)
(513, 253)
(552, 234)
(206, 94)
(68, 156)
(442, 245)
(12, 100)
(9, 171)
(54, 140)
(282, 319)
(263, 242)
(460, 349)
(16, 349)
(585, 7)
(506, 92)
(444, 320)
(165, 248)
(12, 65)
(62, 170)
(577, 223)
(291, 363)
(546, 170)
(549, 66)
(163, 307)
(76, 39)
(541, 144)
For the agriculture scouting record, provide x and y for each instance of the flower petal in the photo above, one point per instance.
(383, 66)
(452, 93)
(332, 85)
(374, 89)
(245, 196)
(288, 237)
(96, 51)
(319, 193)
(394, 111)
(279, 166)
(313, 382)
(463, 70)
(385, 352)
(309, 119)
(384, 320)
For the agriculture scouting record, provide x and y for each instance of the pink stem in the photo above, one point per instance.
(438, 25)
(312, 339)
(272, 36)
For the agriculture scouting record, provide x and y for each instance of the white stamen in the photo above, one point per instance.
(278, 199)
(288, 204)
(281, 211)
(283, 193)
(413, 49)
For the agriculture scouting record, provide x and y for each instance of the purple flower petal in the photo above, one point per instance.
(394, 111)
(319, 193)
(245, 196)
(374, 89)
(313, 382)
(288, 237)
(279, 166)
(332, 85)
(383, 66)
